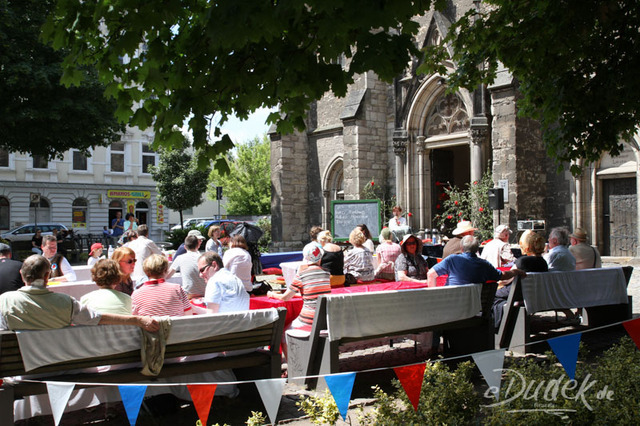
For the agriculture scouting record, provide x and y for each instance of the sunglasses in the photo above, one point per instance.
(130, 261)
(410, 243)
(204, 268)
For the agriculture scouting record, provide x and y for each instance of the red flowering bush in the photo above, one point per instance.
(471, 203)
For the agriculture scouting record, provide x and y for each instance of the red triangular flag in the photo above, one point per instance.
(202, 396)
(411, 377)
(633, 329)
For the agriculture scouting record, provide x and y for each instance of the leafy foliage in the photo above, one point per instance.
(576, 61)
(321, 409)
(179, 181)
(37, 114)
(264, 242)
(447, 397)
(247, 186)
(184, 61)
(471, 203)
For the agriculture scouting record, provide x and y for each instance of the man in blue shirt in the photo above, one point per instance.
(117, 225)
(468, 268)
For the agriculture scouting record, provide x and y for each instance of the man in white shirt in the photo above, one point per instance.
(498, 251)
(225, 291)
(187, 264)
(61, 269)
(143, 247)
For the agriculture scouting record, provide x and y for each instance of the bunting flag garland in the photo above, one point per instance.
(132, 397)
(271, 393)
(411, 377)
(490, 364)
(633, 329)
(202, 396)
(566, 349)
(59, 394)
(341, 386)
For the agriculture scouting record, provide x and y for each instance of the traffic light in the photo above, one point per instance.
(218, 193)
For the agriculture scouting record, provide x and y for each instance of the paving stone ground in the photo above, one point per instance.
(166, 410)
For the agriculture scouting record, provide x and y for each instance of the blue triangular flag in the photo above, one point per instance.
(341, 386)
(566, 349)
(132, 399)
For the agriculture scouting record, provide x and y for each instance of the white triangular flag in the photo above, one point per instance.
(490, 364)
(271, 394)
(59, 394)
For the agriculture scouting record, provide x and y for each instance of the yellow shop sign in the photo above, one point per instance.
(116, 193)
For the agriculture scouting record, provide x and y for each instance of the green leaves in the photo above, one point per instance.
(246, 178)
(180, 181)
(206, 57)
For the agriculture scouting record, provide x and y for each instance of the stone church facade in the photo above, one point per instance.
(410, 134)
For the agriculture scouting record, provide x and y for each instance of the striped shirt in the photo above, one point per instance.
(156, 297)
(359, 263)
(388, 252)
(310, 283)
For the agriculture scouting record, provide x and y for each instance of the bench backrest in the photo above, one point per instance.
(370, 315)
(246, 337)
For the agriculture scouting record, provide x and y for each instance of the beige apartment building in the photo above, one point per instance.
(83, 193)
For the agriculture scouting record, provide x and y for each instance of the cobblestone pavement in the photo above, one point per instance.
(168, 411)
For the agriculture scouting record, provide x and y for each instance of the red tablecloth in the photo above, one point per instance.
(294, 305)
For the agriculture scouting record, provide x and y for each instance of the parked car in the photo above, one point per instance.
(187, 223)
(20, 237)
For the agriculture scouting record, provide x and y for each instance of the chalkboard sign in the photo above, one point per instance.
(346, 215)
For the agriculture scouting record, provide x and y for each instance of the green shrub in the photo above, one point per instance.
(257, 419)
(447, 397)
(264, 242)
(321, 409)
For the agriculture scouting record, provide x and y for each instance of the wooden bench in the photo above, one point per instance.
(463, 313)
(254, 344)
(564, 290)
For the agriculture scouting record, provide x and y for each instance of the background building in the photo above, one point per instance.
(84, 193)
(411, 134)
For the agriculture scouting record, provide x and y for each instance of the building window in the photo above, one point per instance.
(5, 209)
(148, 157)
(40, 162)
(79, 213)
(79, 161)
(4, 158)
(117, 157)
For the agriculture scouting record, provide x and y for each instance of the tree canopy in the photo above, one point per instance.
(577, 63)
(171, 61)
(179, 181)
(38, 115)
(247, 187)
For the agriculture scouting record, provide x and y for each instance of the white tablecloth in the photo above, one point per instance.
(576, 289)
(75, 289)
(289, 271)
(45, 347)
(83, 273)
(388, 312)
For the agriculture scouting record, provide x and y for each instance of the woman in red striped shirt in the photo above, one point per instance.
(157, 297)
